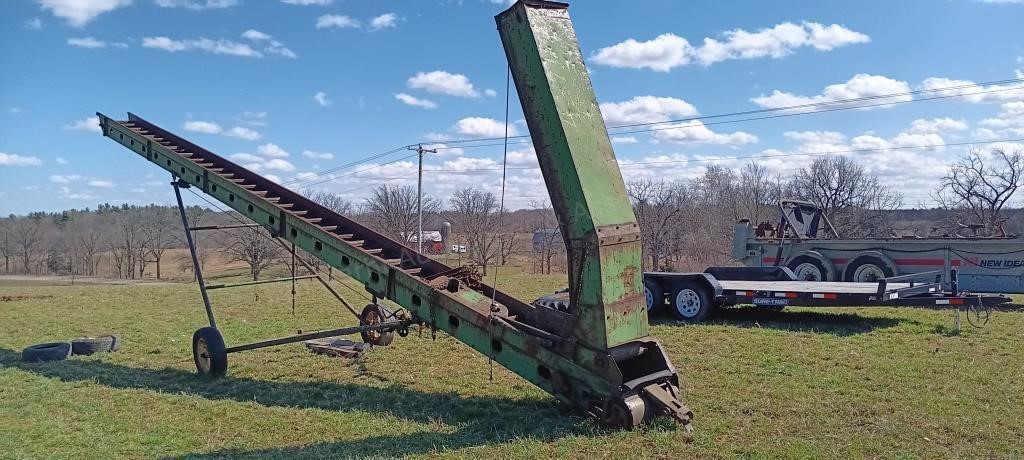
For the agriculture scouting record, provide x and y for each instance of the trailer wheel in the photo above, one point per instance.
(690, 302)
(655, 296)
(376, 314)
(868, 269)
(808, 268)
(209, 352)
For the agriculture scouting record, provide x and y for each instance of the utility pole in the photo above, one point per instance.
(419, 197)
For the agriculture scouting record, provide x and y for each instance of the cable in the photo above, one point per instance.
(350, 164)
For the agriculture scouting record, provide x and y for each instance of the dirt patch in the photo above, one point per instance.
(16, 298)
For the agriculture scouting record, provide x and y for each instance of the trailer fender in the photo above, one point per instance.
(869, 266)
(812, 266)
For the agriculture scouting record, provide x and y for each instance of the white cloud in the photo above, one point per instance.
(209, 127)
(859, 86)
(197, 5)
(339, 21)
(624, 140)
(239, 132)
(321, 98)
(87, 42)
(91, 124)
(307, 2)
(220, 46)
(490, 92)
(78, 13)
(318, 155)
(259, 163)
(271, 150)
(255, 35)
(694, 132)
(10, 159)
(442, 82)
(33, 24)
(415, 101)
(384, 21)
(278, 165)
(199, 126)
(65, 178)
(246, 157)
(936, 126)
(973, 92)
(65, 192)
(61, 160)
(646, 109)
(660, 54)
(101, 183)
(272, 46)
(444, 149)
(483, 127)
(1009, 122)
(668, 51)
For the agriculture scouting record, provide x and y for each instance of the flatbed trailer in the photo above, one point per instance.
(691, 297)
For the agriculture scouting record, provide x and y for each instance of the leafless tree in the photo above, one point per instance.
(27, 234)
(159, 231)
(474, 215)
(196, 216)
(979, 186)
(854, 200)
(6, 242)
(656, 205)
(547, 237)
(392, 209)
(87, 241)
(331, 201)
(758, 193)
(125, 242)
(254, 247)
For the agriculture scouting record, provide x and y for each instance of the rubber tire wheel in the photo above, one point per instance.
(702, 295)
(867, 260)
(90, 345)
(797, 261)
(382, 314)
(56, 351)
(215, 349)
(657, 293)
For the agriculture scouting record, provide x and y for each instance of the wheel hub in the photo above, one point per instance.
(868, 273)
(808, 272)
(688, 303)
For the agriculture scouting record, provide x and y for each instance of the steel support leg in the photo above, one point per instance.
(192, 250)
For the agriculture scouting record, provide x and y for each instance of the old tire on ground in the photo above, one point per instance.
(655, 296)
(690, 302)
(868, 269)
(376, 314)
(56, 351)
(209, 352)
(807, 268)
(90, 345)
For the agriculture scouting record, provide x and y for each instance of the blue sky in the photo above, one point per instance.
(296, 87)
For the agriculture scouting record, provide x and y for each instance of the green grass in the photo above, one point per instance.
(801, 383)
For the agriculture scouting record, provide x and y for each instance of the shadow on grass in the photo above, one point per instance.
(480, 419)
(819, 322)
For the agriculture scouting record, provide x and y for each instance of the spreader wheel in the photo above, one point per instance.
(209, 352)
(376, 314)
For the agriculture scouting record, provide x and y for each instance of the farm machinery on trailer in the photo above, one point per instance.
(805, 241)
(596, 355)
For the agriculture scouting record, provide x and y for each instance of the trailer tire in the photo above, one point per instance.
(808, 268)
(655, 295)
(57, 351)
(209, 352)
(868, 269)
(690, 302)
(374, 314)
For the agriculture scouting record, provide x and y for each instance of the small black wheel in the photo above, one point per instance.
(655, 296)
(90, 345)
(376, 314)
(690, 302)
(57, 351)
(209, 352)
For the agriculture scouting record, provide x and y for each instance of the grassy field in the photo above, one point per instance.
(801, 383)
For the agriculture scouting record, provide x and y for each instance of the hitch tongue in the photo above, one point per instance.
(663, 401)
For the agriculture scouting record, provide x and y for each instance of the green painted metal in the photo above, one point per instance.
(583, 179)
(600, 358)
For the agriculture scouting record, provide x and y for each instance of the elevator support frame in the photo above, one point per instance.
(598, 356)
(397, 323)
